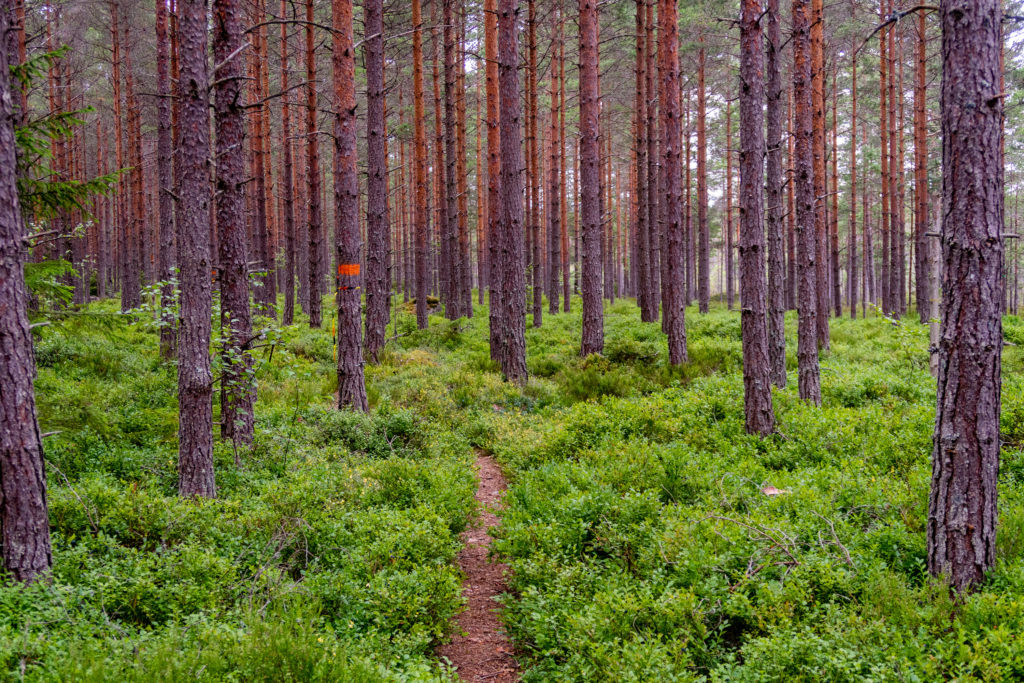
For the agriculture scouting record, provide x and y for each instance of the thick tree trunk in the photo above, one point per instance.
(195, 381)
(590, 182)
(803, 178)
(668, 54)
(643, 256)
(513, 357)
(351, 386)
(24, 522)
(165, 148)
(757, 368)
(965, 457)
(773, 196)
(377, 227)
(237, 392)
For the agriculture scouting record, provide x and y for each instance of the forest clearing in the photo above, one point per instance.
(500, 340)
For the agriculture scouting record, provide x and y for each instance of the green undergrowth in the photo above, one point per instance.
(650, 538)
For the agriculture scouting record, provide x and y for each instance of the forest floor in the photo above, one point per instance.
(643, 536)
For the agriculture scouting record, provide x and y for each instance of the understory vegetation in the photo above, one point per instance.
(649, 537)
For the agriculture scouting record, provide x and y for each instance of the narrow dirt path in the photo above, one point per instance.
(484, 652)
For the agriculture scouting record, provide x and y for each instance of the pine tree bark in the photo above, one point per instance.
(496, 264)
(655, 256)
(704, 247)
(672, 192)
(837, 301)
(24, 518)
(757, 368)
(553, 195)
(534, 174)
(316, 230)
(590, 183)
(962, 506)
(803, 179)
(351, 385)
(776, 298)
(422, 212)
(728, 247)
(648, 312)
(195, 381)
(513, 357)
(450, 226)
(237, 392)
(165, 148)
(852, 263)
(922, 294)
(286, 174)
(817, 31)
(377, 219)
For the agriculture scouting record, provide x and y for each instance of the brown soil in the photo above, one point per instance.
(483, 652)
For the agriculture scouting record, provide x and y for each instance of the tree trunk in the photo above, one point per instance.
(377, 227)
(315, 230)
(513, 357)
(654, 266)
(837, 300)
(590, 182)
(757, 369)
(668, 55)
(195, 381)
(24, 519)
(818, 122)
(165, 148)
(287, 192)
(803, 179)
(553, 195)
(534, 174)
(237, 393)
(422, 212)
(921, 175)
(965, 457)
(351, 387)
(851, 270)
(704, 247)
(450, 217)
(773, 196)
(643, 256)
(495, 260)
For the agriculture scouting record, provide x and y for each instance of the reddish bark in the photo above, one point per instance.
(803, 179)
(421, 219)
(351, 385)
(316, 232)
(495, 267)
(776, 296)
(377, 218)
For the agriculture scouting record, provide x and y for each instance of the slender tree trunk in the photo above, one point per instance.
(895, 161)
(422, 213)
(791, 238)
(883, 128)
(704, 267)
(817, 29)
(496, 263)
(534, 174)
(655, 255)
(165, 147)
(590, 182)
(377, 228)
(553, 195)
(287, 194)
(803, 178)
(851, 270)
(837, 300)
(195, 381)
(513, 358)
(24, 518)
(962, 507)
(566, 293)
(922, 294)
(776, 300)
(237, 393)
(450, 229)
(315, 230)
(729, 275)
(351, 386)
(643, 256)
(668, 54)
